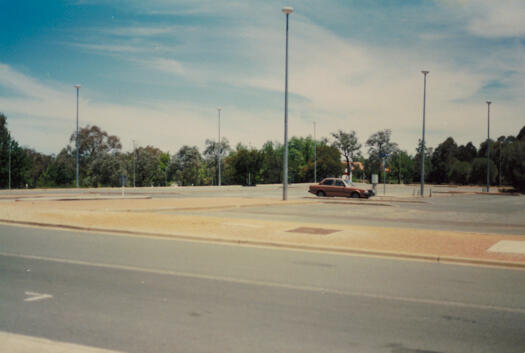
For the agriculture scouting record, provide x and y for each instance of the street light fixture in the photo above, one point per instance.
(287, 11)
(488, 145)
(76, 137)
(425, 73)
(219, 109)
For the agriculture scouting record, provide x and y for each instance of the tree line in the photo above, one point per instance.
(103, 163)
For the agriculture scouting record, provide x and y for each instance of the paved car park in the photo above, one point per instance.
(459, 212)
(449, 208)
(272, 191)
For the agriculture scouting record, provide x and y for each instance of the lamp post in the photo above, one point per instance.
(134, 161)
(287, 11)
(425, 73)
(76, 137)
(315, 157)
(9, 164)
(219, 146)
(499, 163)
(488, 145)
(384, 156)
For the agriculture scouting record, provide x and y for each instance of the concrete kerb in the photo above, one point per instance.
(284, 245)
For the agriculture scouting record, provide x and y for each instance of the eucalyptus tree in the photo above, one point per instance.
(186, 166)
(15, 163)
(402, 167)
(210, 155)
(328, 161)
(443, 157)
(245, 165)
(349, 146)
(93, 143)
(380, 147)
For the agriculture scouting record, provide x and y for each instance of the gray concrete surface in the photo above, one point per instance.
(140, 294)
(264, 190)
(15, 343)
(470, 213)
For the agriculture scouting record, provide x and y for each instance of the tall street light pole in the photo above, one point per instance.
(9, 145)
(488, 145)
(422, 191)
(287, 11)
(219, 146)
(134, 161)
(315, 157)
(384, 176)
(76, 138)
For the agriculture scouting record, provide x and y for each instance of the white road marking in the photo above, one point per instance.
(37, 296)
(509, 246)
(274, 284)
(244, 225)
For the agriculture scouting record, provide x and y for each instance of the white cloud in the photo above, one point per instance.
(141, 31)
(491, 19)
(110, 48)
(168, 65)
(339, 82)
(43, 117)
(352, 85)
(25, 85)
(126, 48)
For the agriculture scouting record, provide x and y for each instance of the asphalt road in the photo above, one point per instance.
(139, 294)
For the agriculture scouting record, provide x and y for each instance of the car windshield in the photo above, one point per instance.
(348, 182)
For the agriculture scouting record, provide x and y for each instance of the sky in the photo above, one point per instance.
(155, 71)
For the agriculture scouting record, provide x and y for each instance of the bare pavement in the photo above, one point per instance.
(453, 225)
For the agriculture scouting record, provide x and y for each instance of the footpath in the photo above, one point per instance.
(159, 217)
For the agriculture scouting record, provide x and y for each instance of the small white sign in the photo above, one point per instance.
(374, 179)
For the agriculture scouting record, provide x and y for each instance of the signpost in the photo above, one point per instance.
(374, 182)
(383, 156)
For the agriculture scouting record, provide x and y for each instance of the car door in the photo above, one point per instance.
(339, 188)
(327, 186)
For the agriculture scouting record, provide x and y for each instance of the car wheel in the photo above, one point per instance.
(355, 195)
(321, 193)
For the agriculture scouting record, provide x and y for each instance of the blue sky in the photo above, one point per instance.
(155, 71)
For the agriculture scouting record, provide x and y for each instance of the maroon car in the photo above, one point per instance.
(339, 187)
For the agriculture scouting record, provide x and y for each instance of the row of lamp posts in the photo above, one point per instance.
(287, 11)
(422, 192)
